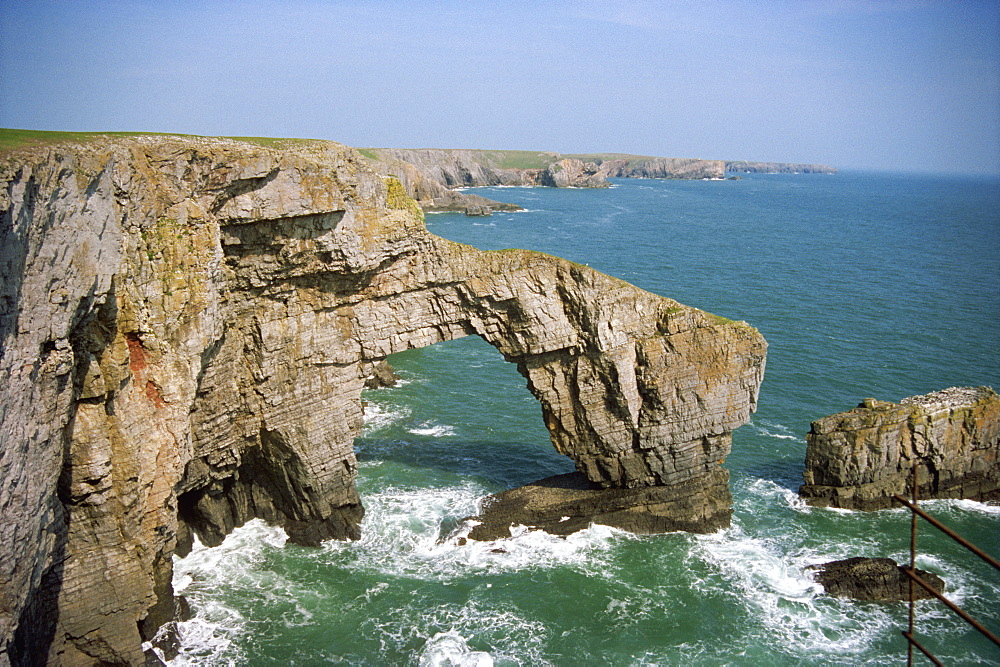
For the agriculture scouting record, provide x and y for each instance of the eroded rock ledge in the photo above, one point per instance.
(186, 328)
(860, 458)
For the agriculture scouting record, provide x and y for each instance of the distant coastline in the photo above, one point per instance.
(435, 177)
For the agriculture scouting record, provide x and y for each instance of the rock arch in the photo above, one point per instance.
(250, 288)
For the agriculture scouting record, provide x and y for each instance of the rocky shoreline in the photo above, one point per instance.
(431, 176)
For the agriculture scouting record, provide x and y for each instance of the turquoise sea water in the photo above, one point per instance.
(877, 285)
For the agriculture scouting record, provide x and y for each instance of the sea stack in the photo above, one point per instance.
(858, 459)
(187, 325)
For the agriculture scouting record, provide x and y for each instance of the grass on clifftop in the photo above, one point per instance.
(604, 157)
(11, 139)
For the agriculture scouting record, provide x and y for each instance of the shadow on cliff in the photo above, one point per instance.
(505, 464)
(36, 626)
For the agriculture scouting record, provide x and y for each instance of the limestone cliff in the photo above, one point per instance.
(860, 458)
(662, 167)
(740, 166)
(186, 327)
(431, 175)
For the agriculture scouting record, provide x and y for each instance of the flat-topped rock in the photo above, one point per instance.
(564, 504)
(858, 459)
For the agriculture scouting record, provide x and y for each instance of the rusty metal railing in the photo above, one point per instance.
(915, 579)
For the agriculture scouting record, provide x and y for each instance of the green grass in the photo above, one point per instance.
(14, 139)
(604, 157)
(520, 159)
(11, 139)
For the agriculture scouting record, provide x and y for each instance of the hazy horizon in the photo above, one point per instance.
(855, 84)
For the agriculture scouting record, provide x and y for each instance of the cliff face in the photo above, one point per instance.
(663, 167)
(186, 328)
(860, 458)
(778, 168)
(431, 175)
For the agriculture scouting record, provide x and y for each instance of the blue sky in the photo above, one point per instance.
(875, 84)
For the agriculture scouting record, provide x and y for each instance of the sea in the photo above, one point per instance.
(879, 285)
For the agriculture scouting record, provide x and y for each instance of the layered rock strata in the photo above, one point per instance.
(663, 167)
(186, 328)
(860, 458)
(431, 176)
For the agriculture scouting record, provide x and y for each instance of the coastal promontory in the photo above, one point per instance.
(186, 326)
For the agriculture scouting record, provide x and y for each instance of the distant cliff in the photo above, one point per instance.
(431, 176)
(778, 168)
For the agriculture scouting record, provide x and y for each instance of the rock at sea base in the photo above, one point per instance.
(858, 459)
(873, 579)
(382, 375)
(564, 504)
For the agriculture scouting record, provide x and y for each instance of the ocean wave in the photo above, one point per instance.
(768, 490)
(450, 649)
(378, 416)
(770, 429)
(434, 430)
(417, 533)
(435, 632)
(778, 591)
(213, 635)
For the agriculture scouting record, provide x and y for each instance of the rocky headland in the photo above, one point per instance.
(743, 167)
(187, 325)
(858, 459)
(432, 175)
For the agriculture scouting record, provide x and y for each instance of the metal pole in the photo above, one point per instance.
(948, 531)
(913, 568)
(914, 642)
(951, 605)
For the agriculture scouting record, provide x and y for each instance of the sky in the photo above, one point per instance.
(858, 84)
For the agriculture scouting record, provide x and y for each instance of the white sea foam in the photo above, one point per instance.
(449, 649)
(966, 505)
(211, 636)
(769, 490)
(380, 415)
(777, 589)
(403, 535)
(512, 638)
(770, 429)
(435, 430)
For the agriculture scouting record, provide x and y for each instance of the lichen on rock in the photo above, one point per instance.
(187, 325)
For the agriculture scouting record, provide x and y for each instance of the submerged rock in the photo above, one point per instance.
(874, 579)
(860, 458)
(186, 328)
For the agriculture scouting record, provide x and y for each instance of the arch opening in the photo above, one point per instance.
(460, 412)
